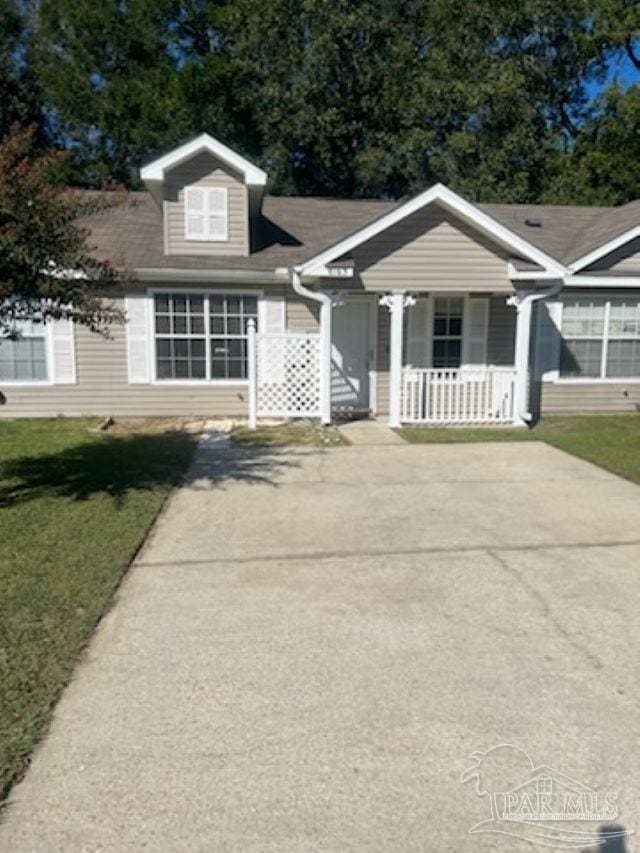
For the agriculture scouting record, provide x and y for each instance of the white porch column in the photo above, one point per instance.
(325, 360)
(523, 340)
(395, 303)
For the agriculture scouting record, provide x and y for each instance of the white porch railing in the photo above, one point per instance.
(465, 396)
(283, 374)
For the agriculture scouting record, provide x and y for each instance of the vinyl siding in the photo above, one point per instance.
(567, 398)
(302, 315)
(204, 170)
(432, 250)
(102, 388)
(625, 260)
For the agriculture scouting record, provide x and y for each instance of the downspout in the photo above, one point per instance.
(523, 341)
(325, 341)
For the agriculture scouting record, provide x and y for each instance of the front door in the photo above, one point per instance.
(351, 354)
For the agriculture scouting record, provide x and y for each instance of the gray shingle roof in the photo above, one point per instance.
(292, 230)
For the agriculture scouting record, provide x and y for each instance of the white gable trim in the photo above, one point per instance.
(605, 249)
(155, 171)
(451, 201)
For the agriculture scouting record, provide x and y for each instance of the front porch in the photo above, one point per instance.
(441, 359)
(428, 358)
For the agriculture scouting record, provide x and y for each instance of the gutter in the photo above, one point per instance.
(325, 340)
(205, 275)
(524, 306)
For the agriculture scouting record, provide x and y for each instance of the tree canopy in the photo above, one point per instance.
(46, 268)
(511, 100)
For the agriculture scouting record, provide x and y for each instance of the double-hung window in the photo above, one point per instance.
(23, 358)
(202, 336)
(205, 213)
(447, 332)
(600, 338)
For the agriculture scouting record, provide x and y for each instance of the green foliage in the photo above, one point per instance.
(46, 269)
(332, 97)
(603, 166)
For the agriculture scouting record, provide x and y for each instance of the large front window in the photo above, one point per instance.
(24, 358)
(202, 336)
(600, 338)
(447, 332)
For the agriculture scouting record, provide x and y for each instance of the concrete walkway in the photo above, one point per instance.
(370, 433)
(313, 642)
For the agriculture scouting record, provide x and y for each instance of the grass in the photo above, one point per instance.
(611, 441)
(286, 434)
(74, 508)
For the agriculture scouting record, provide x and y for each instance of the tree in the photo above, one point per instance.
(603, 166)
(20, 96)
(331, 97)
(46, 268)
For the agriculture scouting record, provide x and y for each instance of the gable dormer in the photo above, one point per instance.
(209, 196)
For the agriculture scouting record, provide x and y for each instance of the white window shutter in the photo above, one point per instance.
(195, 213)
(63, 352)
(418, 337)
(217, 213)
(137, 307)
(548, 339)
(476, 331)
(271, 319)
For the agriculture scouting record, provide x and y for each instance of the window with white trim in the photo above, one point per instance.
(206, 213)
(202, 336)
(24, 358)
(600, 338)
(447, 332)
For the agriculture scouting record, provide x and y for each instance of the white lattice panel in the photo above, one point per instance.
(288, 375)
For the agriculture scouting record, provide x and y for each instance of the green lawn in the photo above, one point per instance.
(74, 507)
(611, 441)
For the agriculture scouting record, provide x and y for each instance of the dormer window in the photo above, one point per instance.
(205, 214)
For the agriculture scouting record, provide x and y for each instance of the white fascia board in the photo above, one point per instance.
(452, 202)
(605, 249)
(608, 281)
(155, 171)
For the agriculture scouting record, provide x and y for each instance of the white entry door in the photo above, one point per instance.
(351, 354)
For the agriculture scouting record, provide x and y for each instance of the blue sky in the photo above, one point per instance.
(621, 69)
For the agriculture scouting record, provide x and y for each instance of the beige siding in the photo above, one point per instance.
(565, 398)
(102, 387)
(382, 361)
(432, 250)
(623, 260)
(205, 170)
(502, 333)
(302, 315)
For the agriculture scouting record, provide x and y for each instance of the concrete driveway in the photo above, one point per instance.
(309, 649)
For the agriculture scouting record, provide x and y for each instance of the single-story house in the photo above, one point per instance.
(432, 309)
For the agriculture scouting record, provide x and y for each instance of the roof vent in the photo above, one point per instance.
(533, 223)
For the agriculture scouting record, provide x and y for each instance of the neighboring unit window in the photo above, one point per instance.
(447, 332)
(24, 359)
(600, 338)
(623, 352)
(205, 213)
(202, 336)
